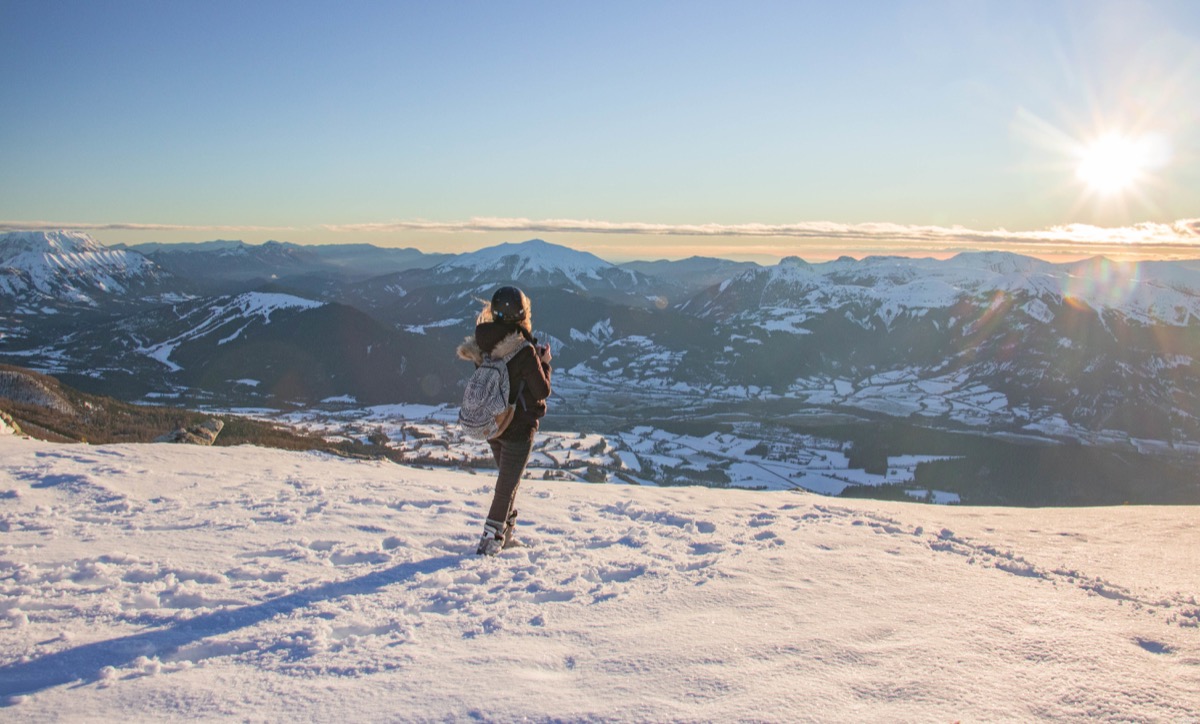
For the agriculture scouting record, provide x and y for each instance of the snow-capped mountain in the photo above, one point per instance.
(1092, 350)
(447, 295)
(537, 263)
(1149, 292)
(993, 340)
(51, 270)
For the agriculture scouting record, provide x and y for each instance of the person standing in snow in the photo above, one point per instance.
(503, 326)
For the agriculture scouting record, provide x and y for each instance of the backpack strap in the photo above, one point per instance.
(520, 387)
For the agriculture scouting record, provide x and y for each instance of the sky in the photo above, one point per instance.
(749, 130)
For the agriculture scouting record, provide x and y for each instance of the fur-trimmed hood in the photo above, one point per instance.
(504, 342)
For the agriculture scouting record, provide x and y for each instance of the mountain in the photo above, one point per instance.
(232, 260)
(251, 347)
(537, 264)
(991, 340)
(236, 262)
(994, 343)
(447, 296)
(374, 260)
(51, 271)
(693, 274)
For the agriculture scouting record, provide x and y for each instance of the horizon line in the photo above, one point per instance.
(1143, 239)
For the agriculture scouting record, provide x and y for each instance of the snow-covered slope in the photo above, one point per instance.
(1149, 292)
(532, 256)
(536, 263)
(47, 269)
(1094, 350)
(260, 346)
(228, 317)
(168, 582)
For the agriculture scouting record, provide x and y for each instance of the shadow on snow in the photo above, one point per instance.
(84, 663)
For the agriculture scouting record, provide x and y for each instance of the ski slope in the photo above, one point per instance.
(161, 582)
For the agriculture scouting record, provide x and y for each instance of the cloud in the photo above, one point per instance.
(90, 226)
(1184, 233)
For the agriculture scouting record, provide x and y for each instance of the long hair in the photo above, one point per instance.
(485, 314)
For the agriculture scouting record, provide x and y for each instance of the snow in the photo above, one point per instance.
(1147, 292)
(599, 333)
(165, 582)
(533, 256)
(47, 242)
(937, 497)
(420, 328)
(251, 306)
(906, 391)
(786, 321)
(66, 266)
(1038, 310)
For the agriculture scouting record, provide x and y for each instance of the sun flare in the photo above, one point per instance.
(1114, 163)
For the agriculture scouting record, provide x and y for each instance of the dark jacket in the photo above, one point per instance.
(528, 375)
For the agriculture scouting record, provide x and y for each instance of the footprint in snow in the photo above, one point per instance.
(1154, 647)
(762, 519)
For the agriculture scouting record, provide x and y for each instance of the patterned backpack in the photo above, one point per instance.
(485, 411)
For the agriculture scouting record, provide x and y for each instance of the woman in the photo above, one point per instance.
(502, 327)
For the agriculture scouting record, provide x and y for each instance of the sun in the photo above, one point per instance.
(1114, 163)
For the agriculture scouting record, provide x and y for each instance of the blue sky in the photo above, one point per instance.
(630, 129)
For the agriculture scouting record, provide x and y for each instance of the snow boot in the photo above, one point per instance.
(492, 541)
(510, 525)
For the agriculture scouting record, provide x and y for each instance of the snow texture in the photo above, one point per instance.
(160, 582)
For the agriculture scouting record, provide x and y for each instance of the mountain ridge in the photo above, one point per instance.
(1095, 351)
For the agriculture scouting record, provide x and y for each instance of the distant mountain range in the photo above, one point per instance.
(225, 264)
(1094, 351)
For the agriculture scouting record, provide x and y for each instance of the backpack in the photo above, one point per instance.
(485, 411)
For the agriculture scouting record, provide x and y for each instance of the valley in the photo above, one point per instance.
(986, 378)
(836, 454)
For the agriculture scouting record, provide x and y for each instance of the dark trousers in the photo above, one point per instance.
(511, 456)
